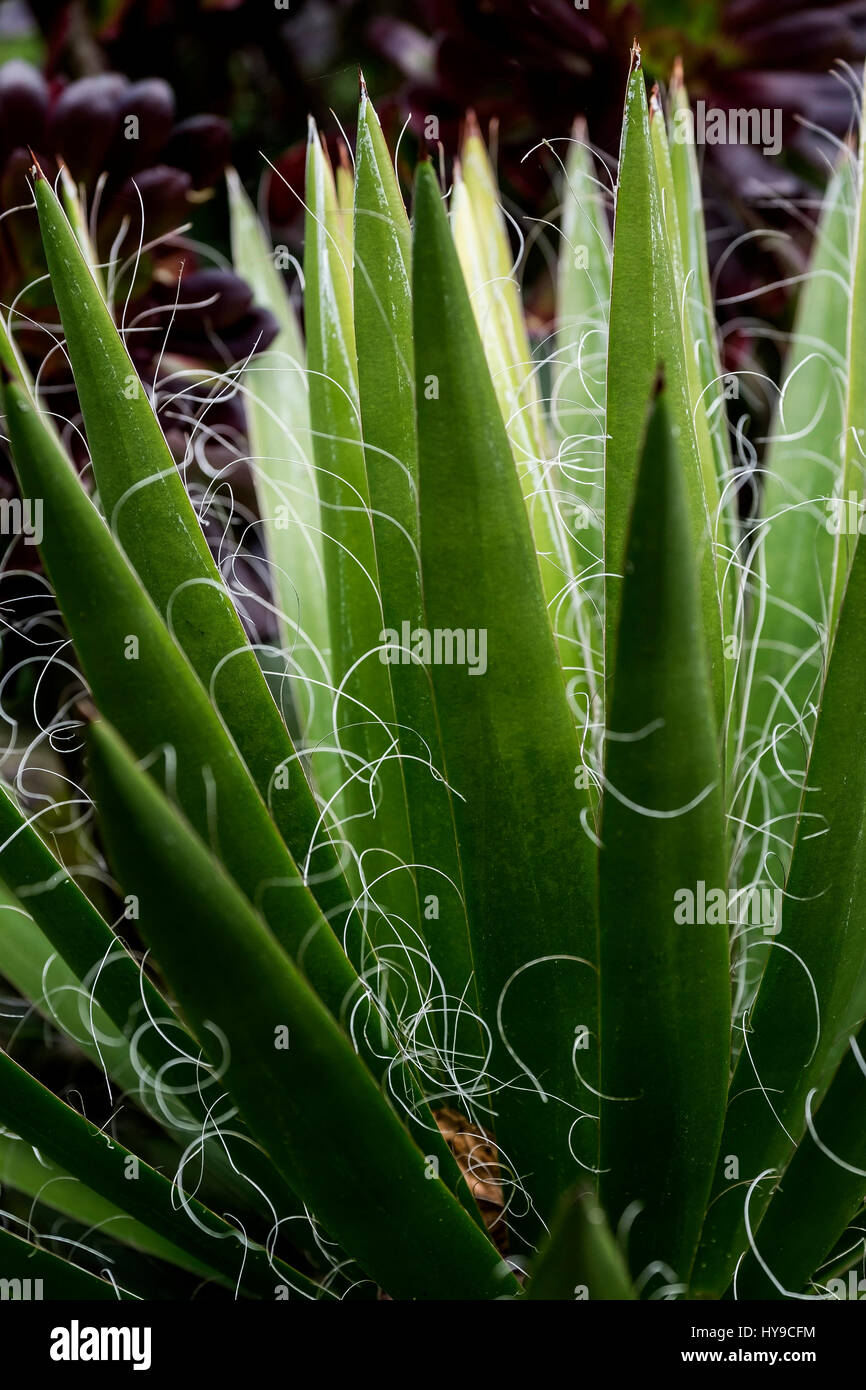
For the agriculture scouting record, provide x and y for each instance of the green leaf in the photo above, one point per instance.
(578, 405)
(645, 329)
(37, 1177)
(294, 1076)
(582, 303)
(481, 238)
(142, 494)
(665, 991)
(580, 1259)
(78, 972)
(344, 180)
(698, 296)
(77, 1146)
(29, 962)
(157, 704)
(811, 996)
(69, 921)
(62, 1279)
(632, 353)
(820, 1193)
(278, 421)
(373, 795)
(710, 515)
(511, 750)
(698, 404)
(10, 358)
(156, 701)
(73, 206)
(854, 445)
(845, 1255)
(386, 370)
(795, 545)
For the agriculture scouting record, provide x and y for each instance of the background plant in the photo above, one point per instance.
(373, 894)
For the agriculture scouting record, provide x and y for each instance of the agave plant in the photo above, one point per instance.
(499, 932)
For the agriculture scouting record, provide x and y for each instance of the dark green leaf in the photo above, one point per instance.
(303, 1091)
(142, 495)
(61, 1279)
(77, 1146)
(511, 751)
(665, 991)
(580, 1259)
(386, 369)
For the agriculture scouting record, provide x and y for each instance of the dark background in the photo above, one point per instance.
(531, 64)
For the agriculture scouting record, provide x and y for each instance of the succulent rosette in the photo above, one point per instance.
(141, 174)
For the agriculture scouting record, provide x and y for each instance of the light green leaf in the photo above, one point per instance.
(71, 198)
(481, 238)
(373, 795)
(698, 297)
(278, 420)
(578, 405)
